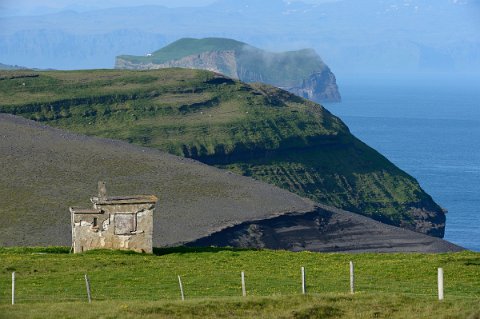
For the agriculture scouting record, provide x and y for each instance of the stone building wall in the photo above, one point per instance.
(123, 222)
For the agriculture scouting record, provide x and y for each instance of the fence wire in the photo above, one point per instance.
(37, 287)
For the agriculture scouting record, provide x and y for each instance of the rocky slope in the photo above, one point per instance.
(252, 129)
(46, 170)
(300, 72)
(325, 229)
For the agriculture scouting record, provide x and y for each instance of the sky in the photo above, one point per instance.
(35, 7)
(351, 36)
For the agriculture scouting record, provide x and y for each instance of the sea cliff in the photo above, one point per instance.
(301, 72)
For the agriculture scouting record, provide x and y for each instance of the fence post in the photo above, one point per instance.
(304, 288)
(440, 283)
(181, 288)
(244, 291)
(352, 278)
(87, 284)
(13, 288)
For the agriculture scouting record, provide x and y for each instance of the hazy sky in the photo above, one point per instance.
(351, 36)
(35, 7)
(30, 7)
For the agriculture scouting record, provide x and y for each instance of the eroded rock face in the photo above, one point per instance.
(428, 222)
(320, 86)
(217, 61)
(249, 64)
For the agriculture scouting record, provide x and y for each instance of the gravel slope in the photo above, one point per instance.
(326, 229)
(46, 170)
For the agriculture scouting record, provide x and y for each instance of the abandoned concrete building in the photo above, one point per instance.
(118, 222)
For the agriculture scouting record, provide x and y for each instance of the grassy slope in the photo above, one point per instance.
(256, 130)
(387, 285)
(283, 69)
(298, 307)
(185, 47)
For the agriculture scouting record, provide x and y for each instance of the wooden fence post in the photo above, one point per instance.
(440, 283)
(352, 278)
(87, 284)
(181, 288)
(244, 290)
(304, 284)
(13, 288)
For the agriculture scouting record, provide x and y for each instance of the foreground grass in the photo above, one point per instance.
(50, 283)
(295, 306)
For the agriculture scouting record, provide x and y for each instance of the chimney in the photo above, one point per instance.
(102, 190)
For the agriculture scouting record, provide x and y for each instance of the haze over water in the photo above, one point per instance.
(430, 129)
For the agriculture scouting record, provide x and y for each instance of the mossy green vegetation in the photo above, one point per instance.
(50, 282)
(187, 46)
(253, 129)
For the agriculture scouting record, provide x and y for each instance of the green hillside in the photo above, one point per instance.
(256, 130)
(187, 46)
(50, 283)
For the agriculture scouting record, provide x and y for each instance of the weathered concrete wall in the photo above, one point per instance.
(114, 223)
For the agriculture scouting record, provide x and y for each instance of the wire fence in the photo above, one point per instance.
(34, 287)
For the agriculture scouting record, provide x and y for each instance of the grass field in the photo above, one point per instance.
(50, 283)
(293, 306)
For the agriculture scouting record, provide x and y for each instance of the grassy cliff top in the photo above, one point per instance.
(189, 46)
(199, 111)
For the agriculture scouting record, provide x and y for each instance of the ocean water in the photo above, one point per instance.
(430, 129)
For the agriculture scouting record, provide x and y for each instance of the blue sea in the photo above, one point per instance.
(430, 128)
